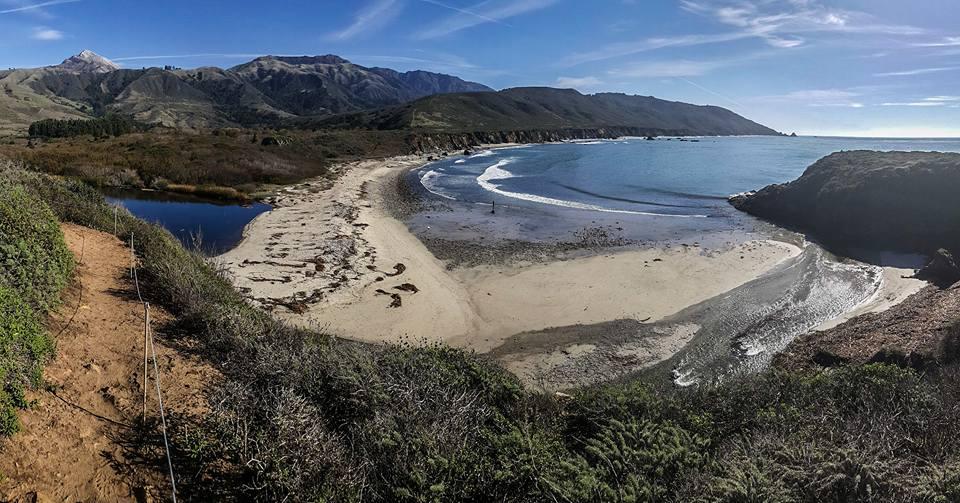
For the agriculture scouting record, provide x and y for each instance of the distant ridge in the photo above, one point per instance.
(265, 90)
(545, 108)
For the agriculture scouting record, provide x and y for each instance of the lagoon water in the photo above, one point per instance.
(215, 226)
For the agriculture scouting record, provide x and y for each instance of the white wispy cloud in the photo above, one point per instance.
(490, 11)
(463, 11)
(917, 71)
(930, 101)
(945, 42)
(46, 34)
(683, 67)
(580, 83)
(781, 22)
(621, 49)
(371, 17)
(838, 105)
(914, 104)
(841, 98)
(662, 69)
(35, 6)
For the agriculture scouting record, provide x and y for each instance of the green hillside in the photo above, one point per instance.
(528, 108)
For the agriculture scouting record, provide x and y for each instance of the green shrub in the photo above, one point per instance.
(35, 265)
(34, 258)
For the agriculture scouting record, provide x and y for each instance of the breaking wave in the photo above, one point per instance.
(496, 172)
(430, 181)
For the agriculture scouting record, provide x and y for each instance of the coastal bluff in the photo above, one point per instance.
(891, 201)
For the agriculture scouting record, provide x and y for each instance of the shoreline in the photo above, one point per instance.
(897, 284)
(334, 256)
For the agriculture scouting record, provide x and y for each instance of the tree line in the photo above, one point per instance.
(109, 125)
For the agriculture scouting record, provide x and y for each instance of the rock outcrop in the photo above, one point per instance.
(942, 270)
(897, 201)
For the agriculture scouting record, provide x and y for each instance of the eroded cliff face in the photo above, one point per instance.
(898, 201)
(425, 142)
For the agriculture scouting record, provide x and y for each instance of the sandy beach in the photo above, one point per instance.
(331, 256)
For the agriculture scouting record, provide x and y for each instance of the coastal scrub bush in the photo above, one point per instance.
(35, 265)
(34, 258)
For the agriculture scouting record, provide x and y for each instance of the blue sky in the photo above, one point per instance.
(840, 67)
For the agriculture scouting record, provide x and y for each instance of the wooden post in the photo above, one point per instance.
(133, 256)
(146, 336)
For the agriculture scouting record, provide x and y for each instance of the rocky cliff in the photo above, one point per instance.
(899, 201)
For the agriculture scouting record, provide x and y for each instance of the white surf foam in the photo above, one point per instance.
(684, 379)
(485, 153)
(496, 172)
(459, 161)
(429, 182)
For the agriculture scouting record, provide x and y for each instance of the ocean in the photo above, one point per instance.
(675, 180)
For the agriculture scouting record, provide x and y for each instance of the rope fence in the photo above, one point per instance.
(150, 353)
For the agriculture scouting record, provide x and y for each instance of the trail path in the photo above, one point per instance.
(70, 447)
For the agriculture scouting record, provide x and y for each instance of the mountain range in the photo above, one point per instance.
(265, 90)
(331, 92)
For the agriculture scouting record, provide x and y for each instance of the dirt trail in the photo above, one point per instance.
(70, 447)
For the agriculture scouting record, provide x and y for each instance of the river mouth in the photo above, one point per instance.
(733, 333)
(209, 226)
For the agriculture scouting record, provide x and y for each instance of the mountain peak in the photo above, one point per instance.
(88, 62)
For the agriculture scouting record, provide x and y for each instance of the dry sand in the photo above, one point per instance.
(328, 256)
